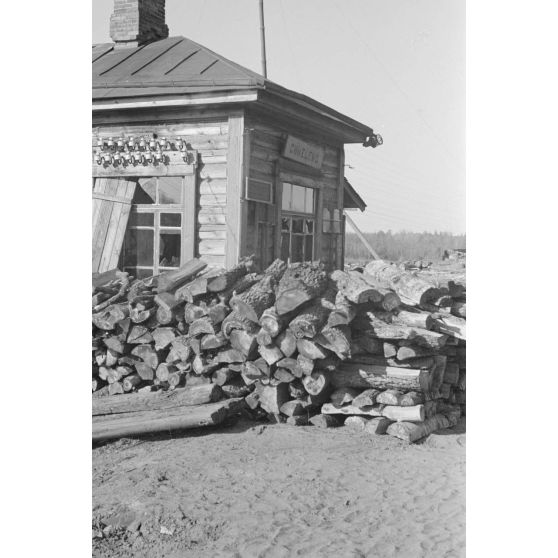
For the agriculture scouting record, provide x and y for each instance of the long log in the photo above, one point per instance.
(354, 288)
(336, 339)
(382, 377)
(173, 279)
(407, 285)
(162, 420)
(229, 277)
(197, 395)
(391, 412)
(411, 432)
(272, 323)
(255, 300)
(415, 319)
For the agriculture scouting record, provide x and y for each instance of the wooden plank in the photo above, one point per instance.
(190, 223)
(212, 247)
(209, 235)
(211, 200)
(106, 197)
(175, 169)
(340, 159)
(110, 239)
(217, 187)
(122, 224)
(162, 420)
(101, 225)
(234, 187)
(361, 237)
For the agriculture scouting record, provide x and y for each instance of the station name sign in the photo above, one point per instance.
(303, 152)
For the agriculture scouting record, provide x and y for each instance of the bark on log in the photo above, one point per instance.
(411, 398)
(381, 377)
(354, 288)
(415, 319)
(229, 356)
(131, 382)
(236, 321)
(451, 325)
(366, 344)
(300, 283)
(407, 285)
(255, 300)
(110, 316)
(263, 337)
(310, 321)
(173, 279)
(209, 341)
(336, 339)
(344, 312)
(242, 285)
(162, 420)
(231, 276)
(411, 432)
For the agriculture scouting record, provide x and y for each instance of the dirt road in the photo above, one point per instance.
(280, 491)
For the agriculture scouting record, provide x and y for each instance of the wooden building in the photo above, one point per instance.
(196, 156)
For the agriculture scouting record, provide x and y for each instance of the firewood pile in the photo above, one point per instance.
(378, 348)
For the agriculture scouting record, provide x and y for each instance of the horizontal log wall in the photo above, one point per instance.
(266, 144)
(210, 139)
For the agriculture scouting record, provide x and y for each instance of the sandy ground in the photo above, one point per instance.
(254, 490)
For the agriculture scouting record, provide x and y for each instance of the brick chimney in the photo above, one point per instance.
(137, 22)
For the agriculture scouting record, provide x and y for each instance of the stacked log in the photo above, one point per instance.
(380, 348)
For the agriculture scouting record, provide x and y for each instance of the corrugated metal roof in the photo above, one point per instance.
(171, 66)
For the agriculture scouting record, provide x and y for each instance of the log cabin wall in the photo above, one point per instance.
(264, 140)
(209, 136)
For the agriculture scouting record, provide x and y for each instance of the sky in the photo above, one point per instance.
(397, 66)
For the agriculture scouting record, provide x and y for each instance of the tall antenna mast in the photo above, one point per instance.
(262, 39)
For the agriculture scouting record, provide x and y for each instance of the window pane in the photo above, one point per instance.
(138, 247)
(285, 224)
(298, 199)
(296, 252)
(145, 191)
(309, 226)
(169, 249)
(309, 202)
(308, 248)
(171, 219)
(297, 225)
(287, 193)
(141, 219)
(285, 246)
(170, 189)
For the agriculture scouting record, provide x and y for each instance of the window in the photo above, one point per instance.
(297, 199)
(153, 240)
(297, 231)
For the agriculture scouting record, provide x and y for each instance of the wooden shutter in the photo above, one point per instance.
(112, 201)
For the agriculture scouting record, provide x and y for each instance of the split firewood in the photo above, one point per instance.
(163, 337)
(298, 420)
(411, 398)
(287, 343)
(411, 432)
(115, 388)
(344, 312)
(217, 313)
(270, 353)
(311, 349)
(366, 344)
(451, 325)
(344, 395)
(147, 354)
(317, 383)
(124, 280)
(325, 421)
(311, 320)
(366, 398)
(193, 312)
(144, 371)
(390, 350)
(283, 375)
(253, 302)
(241, 285)
(272, 398)
(110, 316)
(413, 351)
(301, 283)
(164, 370)
(201, 326)
(171, 280)
(180, 349)
(297, 390)
(223, 375)
(139, 335)
(228, 278)
(204, 365)
(237, 321)
(111, 358)
(244, 342)
(212, 341)
(235, 389)
(130, 382)
(304, 366)
(229, 356)
(263, 337)
(390, 397)
(272, 323)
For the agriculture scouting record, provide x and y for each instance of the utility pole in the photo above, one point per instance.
(262, 39)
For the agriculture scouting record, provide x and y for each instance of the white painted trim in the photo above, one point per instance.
(179, 102)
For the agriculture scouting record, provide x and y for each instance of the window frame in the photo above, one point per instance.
(156, 209)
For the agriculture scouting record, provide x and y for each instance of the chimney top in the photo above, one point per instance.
(138, 22)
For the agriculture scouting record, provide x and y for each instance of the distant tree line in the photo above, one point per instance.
(403, 245)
